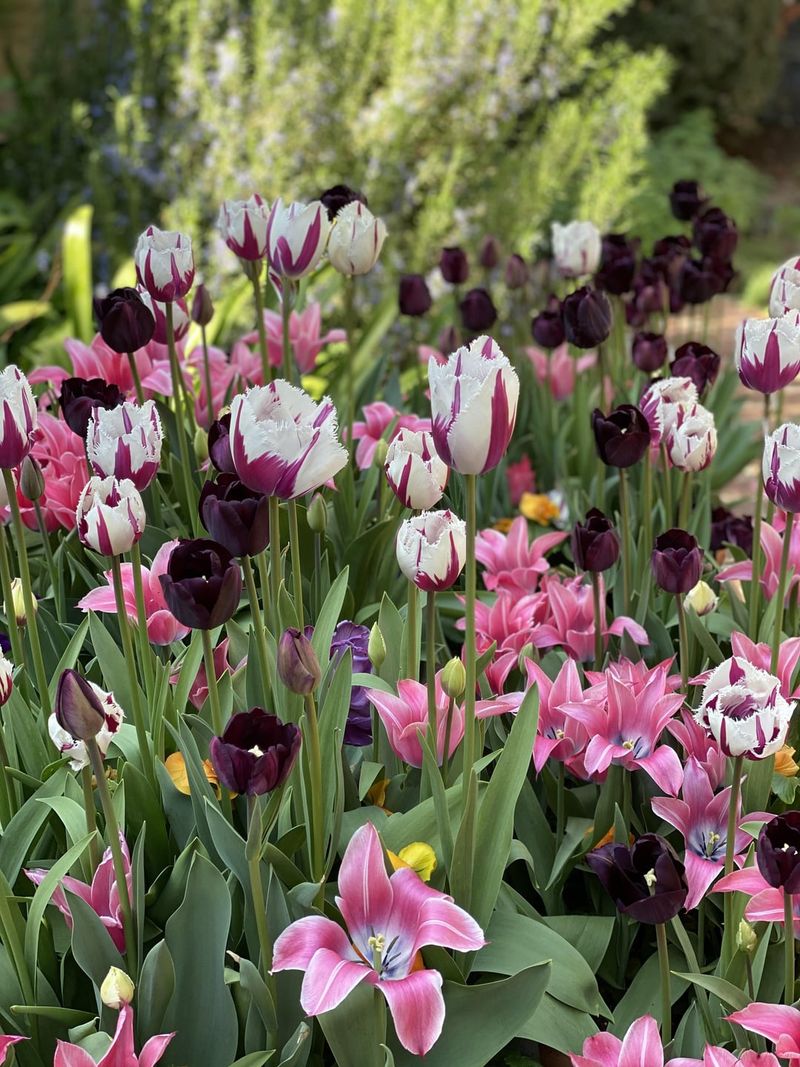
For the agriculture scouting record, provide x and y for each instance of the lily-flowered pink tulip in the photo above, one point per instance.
(520, 478)
(162, 626)
(102, 895)
(126, 442)
(415, 472)
(164, 263)
(510, 561)
(296, 238)
(772, 549)
(388, 921)
(379, 418)
(474, 406)
(558, 735)
(714, 1056)
(283, 443)
(60, 455)
(777, 1022)
(641, 1047)
(661, 401)
(508, 623)
(18, 417)
(198, 692)
(407, 713)
(558, 369)
(223, 374)
(97, 360)
(699, 745)
(6, 1041)
(743, 709)
(766, 904)
(784, 292)
(305, 338)
(576, 248)
(243, 225)
(110, 516)
(692, 438)
(432, 549)
(356, 240)
(781, 467)
(122, 1050)
(768, 352)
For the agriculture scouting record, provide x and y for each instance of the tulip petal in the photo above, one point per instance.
(600, 1050)
(773, 1021)
(641, 1046)
(68, 1055)
(154, 1049)
(296, 946)
(366, 893)
(329, 979)
(417, 1008)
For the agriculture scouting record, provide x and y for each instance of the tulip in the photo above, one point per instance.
(202, 306)
(31, 479)
(431, 549)
(677, 562)
(781, 467)
(126, 442)
(617, 264)
(587, 317)
(18, 603)
(489, 255)
(702, 599)
(687, 199)
(622, 437)
(715, 234)
(235, 516)
(516, 272)
(79, 398)
(243, 225)
(110, 515)
(414, 471)
(730, 529)
(356, 240)
(406, 714)
(778, 852)
(454, 265)
(317, 514)
(121, 1052)
(376, 647)
(698, 362)
(512, 562)
(282, 443)
(414, 296)
(296, 238)
(743, 709)
(219, 445)
(594, 543)
(474, 406)
(478, 312)
(202, 585)
(646, 881)
(576, 248)
(6, 679)
(547, 328)
(116, 989)
(669, 256)
(6, 1041)
(661, 402)
(777, 1022)
(298, 666)
(339, 196)
(649, 351)
(180, 318)
(18, 419)
(164, 263)
(768, 352)
(784, 290)
(126, 322)
(355, 639)
(256, 752)
(698, 283)
(692, 439)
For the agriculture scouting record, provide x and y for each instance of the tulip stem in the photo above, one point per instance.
(469, 637)
(180, 421)
(666, 995)
(216, 711)
(27, 593)
(315, 769)
(781, 591)
(297, 567)
(669, 517)
(207, 373)
(755, 581)
(91, 817)
(137, 381)
(647, 506)
(349, 316)
(8, 600)
(266, 370)
(599, 621)
(788, 942)
(560, 802)
(430, 665)
(446, 750)
(625, 519)
(686, 501)
(258, 623)
(729, 936)
(145, 651)
(412, 636)
(275, 561)
(58, 587)
(257, 891)
(286, 339)
(683, 644)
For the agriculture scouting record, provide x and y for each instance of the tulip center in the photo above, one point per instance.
(651, 879)
(255, 751)
(712, 840)
(377, 943)
(628, 744)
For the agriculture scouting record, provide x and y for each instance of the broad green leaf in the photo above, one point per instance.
(328, 618)
(558, 1026)
(19, 835)
(76, 254)
(155, 988)
(726, 991)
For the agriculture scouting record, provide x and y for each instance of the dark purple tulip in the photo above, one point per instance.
(81, 396)
(587, 317)
(646, 880)
(594, 542)
(219, 445)
(256, 752)
(516, 272)
(730, 529)
(698, 282)
(349, 635)
(622, 437)
(298, 666)
(723, 271)
(126, 323)
(715, 234)
(778, 852)
(202, 306)
(489, 255)
(5, 643)
(454, 265)
(78, 709)
(547, 328)
(414, 297)
(617, 264)
(686, 199)
(338, 196)
(698, 362)
(677, 561)
(478, 313)
(649, 351)
(203, 583)
(669, 255)
(235, 516)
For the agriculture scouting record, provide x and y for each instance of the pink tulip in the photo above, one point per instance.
(378, 417)
(304, 336)
(766, 904)
(777, 1022)
(102, 895)
(520, 478)
(222, 373)
(641, 1047)
(162, 626)
(6, 1041)
(407, 713)
(512, 563)
(97, 360)
(714, 1056)
(198, 693)
(558, 370)
(771, 547)
(698, 745)
(388, 921)
(60, 454)
(508, 622)
(122, 1050)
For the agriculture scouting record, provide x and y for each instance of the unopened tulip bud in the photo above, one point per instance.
(516, 273)
(18, 603)
(78, 709)
(746, 939)
(376, 647)
(489, 255)
(298, 666)
(117, 989)
(31, 479)
(202, 306)
(379, 455)
(701, 598)
(201, 444)
(317, 514)
(454, 678)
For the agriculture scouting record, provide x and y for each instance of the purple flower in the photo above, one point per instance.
(80, 397)
(698, 362)
(478, 312)
(617, 264)
(235, 516)
(256, 752)
(645, 881)
(686, 199)
(202, 585)
(358, 730)
(126, 323)
(454, 265)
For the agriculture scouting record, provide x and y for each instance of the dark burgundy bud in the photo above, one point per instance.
(126, 323)
(730, 529)
(478, 313)
(338, 196)
(298, 666)
(669, 255)
(622, 437)
(698, 282)
(80, 397)
(547, 328)
(778, 852)
(646, 881)
(587, 317)
(202, 306)
(78, 709)
(203, 583)
(595, 543)
(677, 562)
(489, 255)
(698, 362)
(454, 265)
(414, 297)
(235, 516)
(219, 445)
(649, 351)
(715, 234)
(256, 752)
(516, 272)
(449, 339)
(686, 199)
(617, 264)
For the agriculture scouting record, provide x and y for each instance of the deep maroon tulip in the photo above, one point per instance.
(516, 272)
(126, 323)
(338, 196)
(78, 709)
(594, 542)
(730, 529)
(80, 397)
(414, 297)
(587, 317)
(715, 234)
(547, 328)
(454, 265)
(646, 881)
(219, 445)
(489, 255)
(298, 666)
(203, 583)
(698, 282)
(669, 255)
(724, 272)
(649, 351)
(617, 264)
(256, 752)
(698, 362)
(478, 313)
(778, 852)
(622, 437)
(202, 306)
(686, 199)
(235, 516)
(677, 561)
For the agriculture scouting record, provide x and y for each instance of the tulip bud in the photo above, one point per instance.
(686, 199)
(649, 351)
(201, 444)
(317, 514)
(18, 603)
(454, 679)
(243, 225)
(576, 248)
(31, 479)
(296, 238)
(595, 543)
(339, 196)
(414, 296)
(746, 939)
(489, 255)
(454, 265)
(587, 317)
(547, 328)
(78, 709)
(356, 240)
(117, 989)
(380, 453)
(478, 312)
(701, 598)
(6, 679)
(617, 264)
(677, 561)
(376, 648)
(126, 322)
(715, 234)
(202, 306)
(298, 666)
(516, 273)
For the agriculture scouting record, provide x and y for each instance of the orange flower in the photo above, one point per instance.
(176, 769)
(539, 508)
(785, 763)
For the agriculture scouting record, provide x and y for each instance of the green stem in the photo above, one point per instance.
(259, 899)
(11, 617)
(51, 565)
(7, 794)
(275, 562)
(266, 370)
(258, 624)
(470, 724)
(145, 651)
(647, 504)
(315, 767)
(448, 729)
(667, 473)
(755, 581)
(686, 501)
(666, 996)
(297, 567)
(137, 381)
(599, 621)
(286, 341)
(683, 643)
(430, 665)
(15, 949)
(91, 817)
(412, 637)
(788, 949)
(207, 373)
(729, 934)
(27, 594)
(180, 420)
(349, 316)
(625, 520)
(780, 593)
(560, 802)
(216, 711)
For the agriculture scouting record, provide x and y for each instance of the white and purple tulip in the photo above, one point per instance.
(743, 710)
(661, 402)
(432, 549)
(356, 240)
(18, 417)
(243, 225)
(296, 238)
(692, 438)
(164, 263)
(784, 291)
(415, 472)
(110, 515)
(781, 467)
(767, 352)
(126, 442)
(577, 248)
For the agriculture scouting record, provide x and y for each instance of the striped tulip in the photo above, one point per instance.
(432, 549)
(110, 516)
(768, 352)
(164, 263)
(296, 238)
(414, 471)
(243, 225)
(19, 419)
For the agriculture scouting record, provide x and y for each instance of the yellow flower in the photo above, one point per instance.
(539, 508)
(377, 793)
(503, 525)
(784, 762)
(176, 769)
(418, 856)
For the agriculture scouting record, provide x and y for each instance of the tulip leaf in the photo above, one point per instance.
(76, 256)
(643, 995)
(21, 831)
(726, 991)
(94, 951)
(352, 1030)
(328, 618)
(558, 1026)
(296, 1049)
(254, 1059)
(112, 665)
(155, 988)
(69, 657)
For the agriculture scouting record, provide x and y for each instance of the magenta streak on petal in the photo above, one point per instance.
(103, 538)
(735, 672)
(249, 243)
(323, 415)
(401, 489)
(310, 244)
(426, 455)
(760, 736)
(122, 461)
(501, 428)
(488, 349)
(439, 433)
(126, 420)
(431, 583)
(12, 442)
